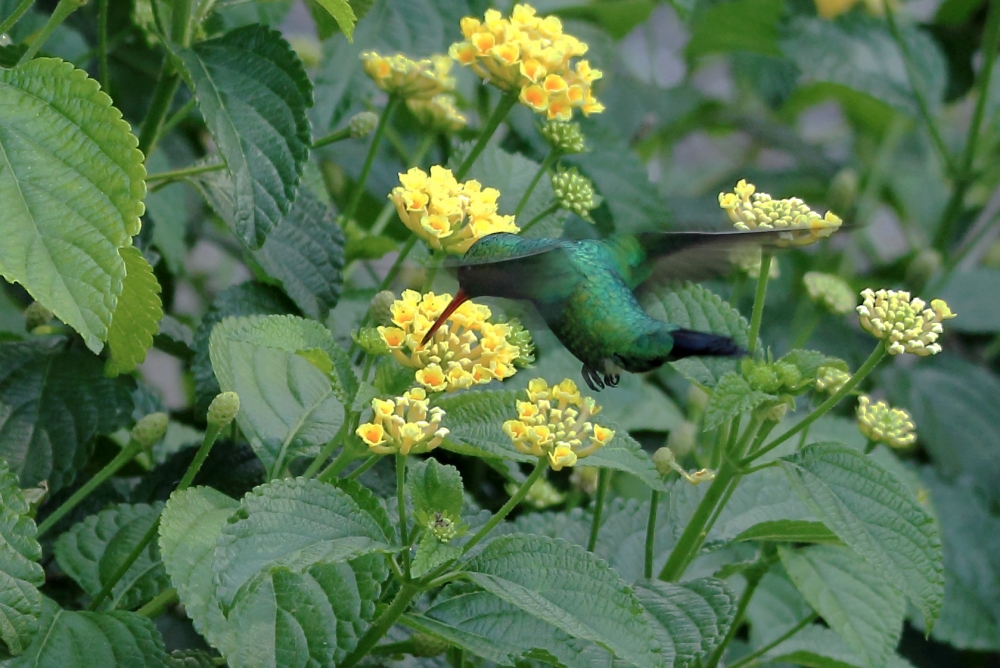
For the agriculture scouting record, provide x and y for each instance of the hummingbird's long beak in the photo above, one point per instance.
(460, 298)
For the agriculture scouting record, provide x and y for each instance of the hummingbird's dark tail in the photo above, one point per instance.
(688, 343)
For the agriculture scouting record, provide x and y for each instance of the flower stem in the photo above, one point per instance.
(327, 450)
(654, 501)
(824, 407)
(603, 478)
(178, 174)
(544, 167)
(758, 300)
(16, 15)
(401, 511)
(503, 107)
(377, 630)
(498, 517)
(751, 658)
(359, 187)
(156, 606)
(386, 282)
(365, 465)
(753, 576)
(163, 95)
(335, 136)
(102, 46)
(59, 14)
(552, 208)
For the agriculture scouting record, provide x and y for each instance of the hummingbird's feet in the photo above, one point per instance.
(593, 379)
(611, 379)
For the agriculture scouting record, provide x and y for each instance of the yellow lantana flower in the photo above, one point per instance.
(880, 423)
(555, 422)
(448, 215)
(903, 322)
(466, 350)
(410, 79)
(405, 425)
(831, 379)
(531, 54)
(751, 210)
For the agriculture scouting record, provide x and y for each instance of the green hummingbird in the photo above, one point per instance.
(586, 291)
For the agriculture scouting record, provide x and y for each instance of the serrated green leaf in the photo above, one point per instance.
(72, 183)
(391, 379)
(569, 588)
(288, 407)
(342, 13)
(253, 93)
(370, 504)
(474, 420)
(856, 602)
(731, 397)
(692, 618)
(20, 573)
(53, 401)
(242, 299)
(694, 307)
(435, 487)
(294, 524)
(741, 26)
(69, 639)
(431, 553)
(876, 515)
(625, 454)
(137, 315)
(93, 550)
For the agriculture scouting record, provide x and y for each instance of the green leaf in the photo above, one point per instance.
(816, 647)
(731, 397)
(876, 515)
(72, 184)
(856, 602)
(342, 13)
(253, 93)
(20, 573)
(190, 658)
(475, 420)
(692, 618)
(435, 487)
(569, 588)
(808, 362)
(624, 453)
(137, 315)
(242, 299)
(693, 307)
(971, 294)
(190, 528)
(69, 639)
(370, 504)
(288, 406)
(169, 218)
(95, 548)
(740, 26)
(292, 524)
(776, 608)
(53, 401)
(431, 553)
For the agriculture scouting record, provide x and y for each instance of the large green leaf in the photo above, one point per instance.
(292, 524)
(475, 419)
(253, 93)
(741, 26)
(856, 602)
(72, 184)
(288, 405)
(731, 397)
(625, 454)
(435, 487)
(776, 608)
(94, 549)
(694, 307)
(137, 315)
(68, 639)
(342, 13)
(816, 647)
(876, 515)
(568, 587)
(20, 572)
(972, 296)
(53, 401)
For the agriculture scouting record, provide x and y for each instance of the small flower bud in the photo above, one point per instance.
(564, 137)
(683, 438)
(831, 379)
(362, 124)
(761, 376)
(664, 461)
(150, 429)
(370, 341)
(777, 411)
(381, 308)
(223, 409)
(788, 374)
(843, 190)
(923, 266)
(424, 644)
(575, 192)
(36, 315)
(444, 528)
(905, 324)
(892, 426)
(584, 478)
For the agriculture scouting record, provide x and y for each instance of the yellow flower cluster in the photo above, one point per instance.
(405, 425)
(878, 422)
(439, 113)
(448, 215)
(831, 291)
(532, 54)
(831, 379)
(466, 350)
(750, 210)
(905, 324)
(410, 79)
(556, 422)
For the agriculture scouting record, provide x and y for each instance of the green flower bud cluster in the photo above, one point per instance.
(880, 423)
(831, 379)
(381, 308)
(521, 337)
(831, 291)
(564, 137)
(443, 527)
(772, 377)
(362, 124)
(542, 494)
(150, 429)
(574, 192)
(223, 409)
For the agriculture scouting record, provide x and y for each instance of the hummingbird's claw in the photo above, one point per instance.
(593, 379)
(611, 379)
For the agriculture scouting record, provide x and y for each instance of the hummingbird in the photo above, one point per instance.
(586, 291)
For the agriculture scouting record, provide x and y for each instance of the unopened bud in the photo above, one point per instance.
(664, 461)
(564, 137)
(381, 308)
(223, 409)
(370, 341)
(788, 374)
(697, 399)
(362, 124)
(683, 438)
(150, 429)
(36, 315)
(424, 644)
(776, 412)
(843, 190)
(443, 527)
(574, 192)
(924, 265)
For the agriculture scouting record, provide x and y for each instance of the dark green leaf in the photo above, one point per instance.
(435, 487)
(431, 553)
(742, 25)
(20, 572)
(624, 453)
(475, 420)
(775, 608)
(731, 397)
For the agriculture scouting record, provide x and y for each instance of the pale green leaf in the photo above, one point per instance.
(53, 401)
(253, 93)
(20, 572)
(435, 487)
(569, 588)
(137, 315)
(875, 514)
(342, 13)
(475, 420)
(731, 397)
(293, 524)
(72, 183)
(94, 549)
(854, 600)
(742, 26)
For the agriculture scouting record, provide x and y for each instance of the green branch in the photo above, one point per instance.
(503, 107)
(359, 187)
(547, 163)
(603, 479)
(758, 300)
(654, 501)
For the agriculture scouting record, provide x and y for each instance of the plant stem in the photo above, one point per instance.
(382, 625)
(544, 167)
(184, 172)
(654, 501)
(824, 407)
(207, 442)
(16, 15)
(121, 459)
(754, 575)
(59, 14)
(102, 46)
(367, 464)
(603, 478)
(503, 107)
(359, 187)
(335, 136)
(552, 208)
(163, 95)
(401, 511)
(328, 449)
(756, 654)
(758, 300)
(178, 116)
(389, 278)
(159, 603)
(498, 517)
